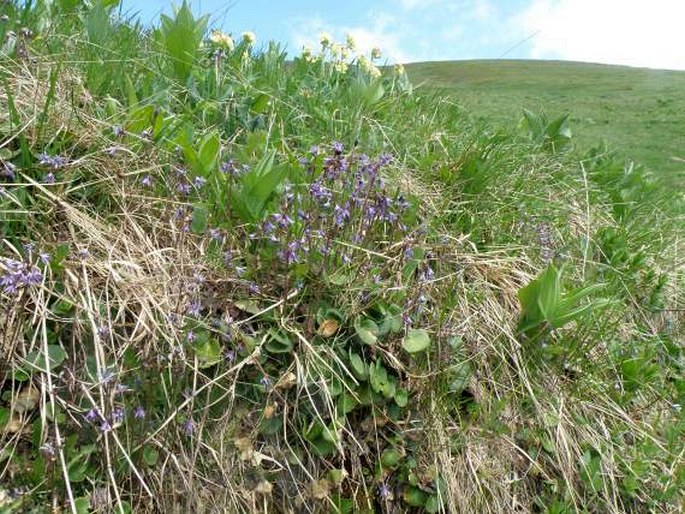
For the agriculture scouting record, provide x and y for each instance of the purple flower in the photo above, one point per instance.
(45, 258)
(139, 412)
(240, 270)
(83, 253)
(290, 253)
(228, 257)
(253, 288)
(191, 337)
(266, 381)
(383, 490)
(106, 376)
(283, 220)
(118, 415)
(198, 182)
(341, 215)
(216, 235)
(19, 275)
(8, 171)
(92, 415)
(118, 131)
(105, 426)
(228, 167)
(338, 147)
(146, 181)
(229, 355)
(33, 277)
(121, 389)
(184, 188)
(194, 308)
(103, 331)
(188, 427)
(320, 193)
(49, 178)
(179, 213)
(314, 150)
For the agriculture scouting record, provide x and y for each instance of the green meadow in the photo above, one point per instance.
(638, 112)
(236, 281)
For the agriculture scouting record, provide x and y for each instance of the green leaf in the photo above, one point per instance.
(391, 458)
(416, 340)
(460, 375)
(359, 368)
(5, 416)
(414, 496)
(209, 152)
(207, 349)
(392, 319)
(199, 223)
(82, 505)
(278, 342)
(401, 397)
(346, 403)
(56, 356)
(150, 455)
(366, 330)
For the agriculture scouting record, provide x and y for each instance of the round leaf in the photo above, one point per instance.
(366, 330)
(416, 340)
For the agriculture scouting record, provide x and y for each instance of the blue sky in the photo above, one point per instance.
(630, 32)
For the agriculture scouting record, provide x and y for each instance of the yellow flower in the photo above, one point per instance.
(349, 41)
(249, 38)
(399, 69)
(376, 53)
(374, 72)
(222, 39)
(307, 54)
(340, 66)
(325, 39)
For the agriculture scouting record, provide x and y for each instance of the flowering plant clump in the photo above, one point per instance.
(18, 275)
(335, 206)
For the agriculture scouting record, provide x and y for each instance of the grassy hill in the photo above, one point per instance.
(235, 282)
(639, 112)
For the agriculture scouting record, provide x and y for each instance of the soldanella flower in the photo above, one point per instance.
(249, 38)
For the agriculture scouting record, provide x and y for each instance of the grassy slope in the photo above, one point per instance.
(639, 112)
(161, 352)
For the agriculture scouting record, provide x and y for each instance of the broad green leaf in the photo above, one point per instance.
(414, 496)
(460, 375)
(56, 356)
(278, 342)
(359, 368)
(416, 340)
(150, 456)
(209, 152)
(391, 458)
(366, 330)
(207, 350)
(401, 397)
(199, 223)
(346, 403)
(82, 505)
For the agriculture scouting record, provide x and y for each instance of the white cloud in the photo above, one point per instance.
(629, 32)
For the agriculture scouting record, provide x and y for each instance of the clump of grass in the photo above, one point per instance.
(218, 296)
